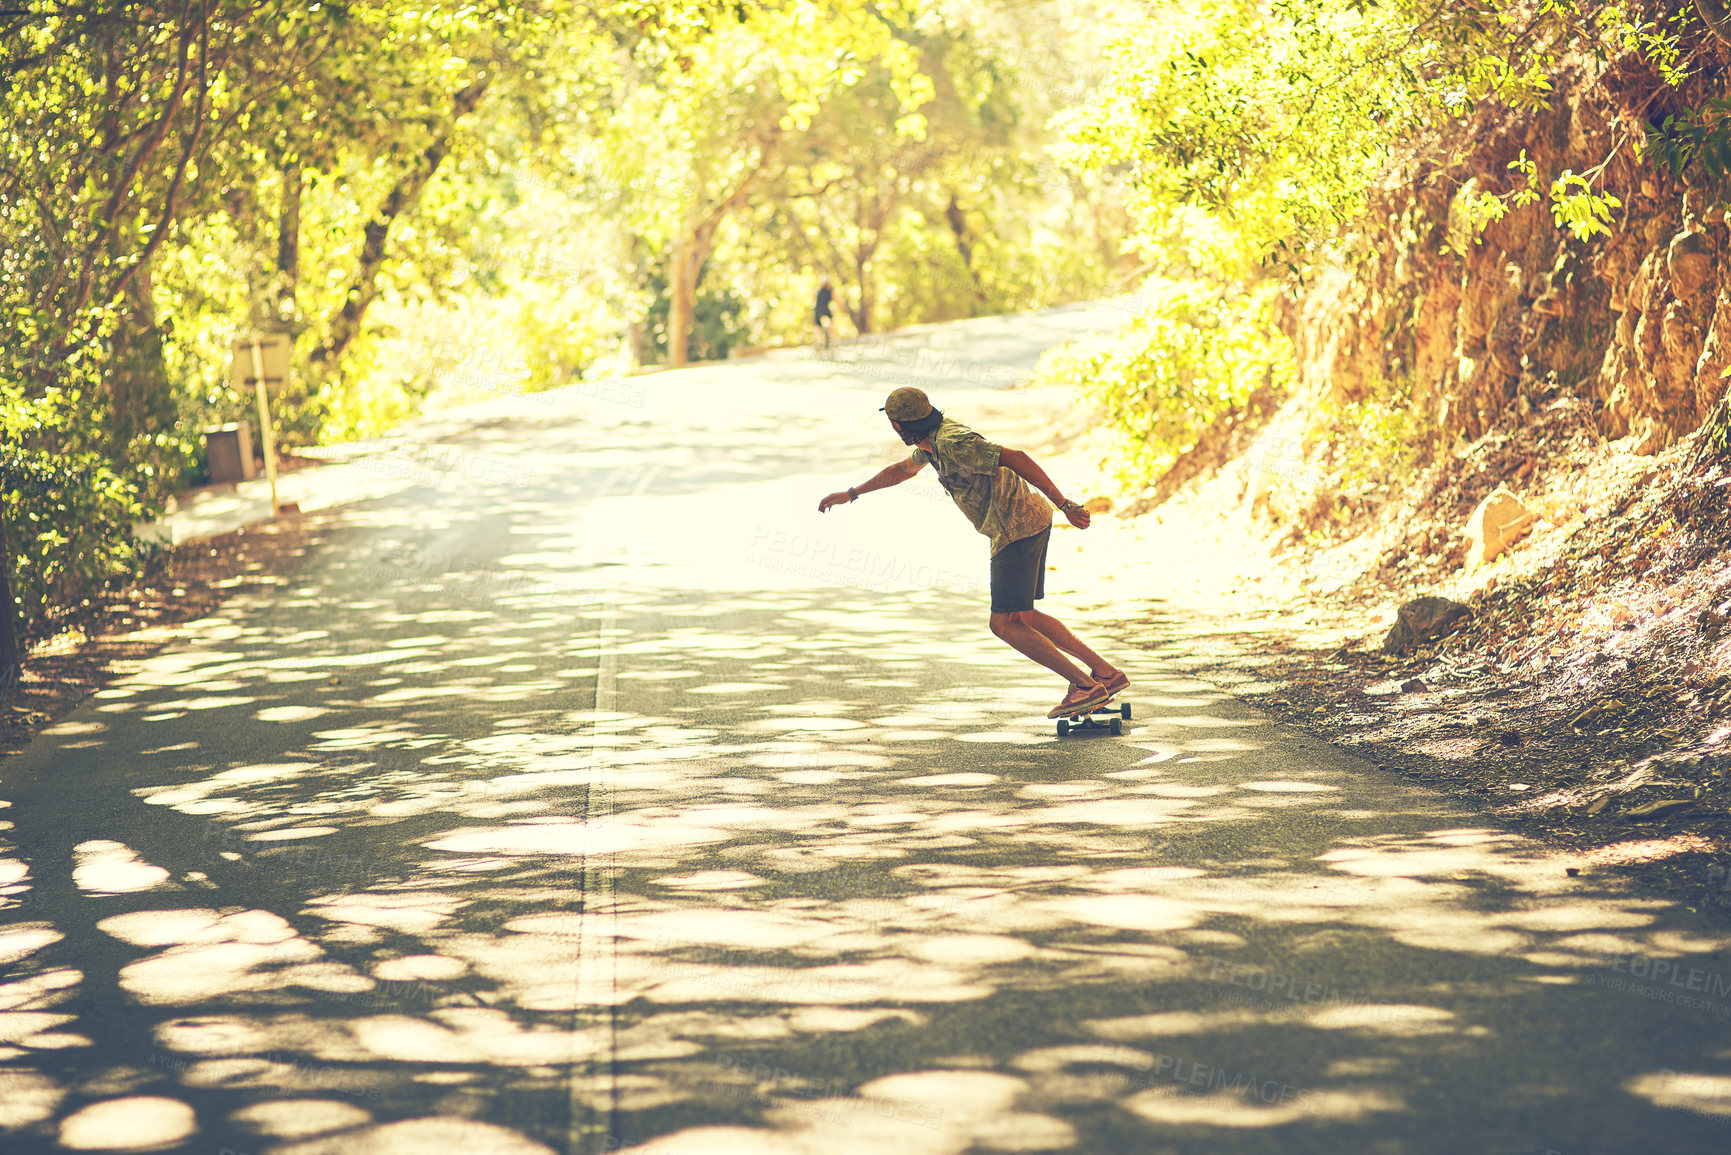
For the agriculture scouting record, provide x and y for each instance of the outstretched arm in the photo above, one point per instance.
(883, 479)
(1028, 470)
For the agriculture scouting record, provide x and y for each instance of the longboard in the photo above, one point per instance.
(1116, 715)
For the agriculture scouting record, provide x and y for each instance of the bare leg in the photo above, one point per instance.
(1059, 635)
(1031, 643)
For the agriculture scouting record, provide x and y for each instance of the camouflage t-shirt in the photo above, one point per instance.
(999, 503)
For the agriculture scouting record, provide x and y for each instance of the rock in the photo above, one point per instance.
(1499, 521)
(1690, 263)
(1422, 619)
(1413, 686)
(1656, 810)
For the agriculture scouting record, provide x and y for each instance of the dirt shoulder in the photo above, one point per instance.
(108, 636)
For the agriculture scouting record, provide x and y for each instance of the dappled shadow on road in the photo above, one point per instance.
(449, 867)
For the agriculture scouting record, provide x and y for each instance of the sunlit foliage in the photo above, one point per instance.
(1251, 133)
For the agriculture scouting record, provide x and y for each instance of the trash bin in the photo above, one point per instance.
(228, 449)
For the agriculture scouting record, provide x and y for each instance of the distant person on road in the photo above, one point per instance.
(990, 485)
(821, 317)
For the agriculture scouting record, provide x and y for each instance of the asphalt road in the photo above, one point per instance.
(588, 791)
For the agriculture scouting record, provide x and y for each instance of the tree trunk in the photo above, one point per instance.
(288, 240)
(689, 258)
(691, 253)
(346, 325)
(140, 399)
(959, 226)
(864, 251)
(862, 265)
(861, 311)
(11, 649)
(681, 299)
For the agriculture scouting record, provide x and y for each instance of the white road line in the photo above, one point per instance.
(597, 956)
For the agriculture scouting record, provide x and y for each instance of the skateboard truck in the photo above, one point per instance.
(1117, 715)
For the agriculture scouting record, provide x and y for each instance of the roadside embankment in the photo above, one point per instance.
(1585, 693)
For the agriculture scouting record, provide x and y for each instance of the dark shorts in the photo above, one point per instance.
(1019, 573)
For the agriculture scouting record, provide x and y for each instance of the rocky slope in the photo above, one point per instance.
(1637, 322)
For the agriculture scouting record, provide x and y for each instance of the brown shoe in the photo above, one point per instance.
(1116, 684)
(1080, 700)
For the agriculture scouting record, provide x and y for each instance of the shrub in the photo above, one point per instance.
(1194, 352)
(67, 515)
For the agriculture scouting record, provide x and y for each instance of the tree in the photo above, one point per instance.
(345, 325)
(729, 115)
(930, 197)
(141, 142)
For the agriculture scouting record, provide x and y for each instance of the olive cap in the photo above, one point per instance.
(907, 404)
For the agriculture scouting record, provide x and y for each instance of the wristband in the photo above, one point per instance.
(852, 493)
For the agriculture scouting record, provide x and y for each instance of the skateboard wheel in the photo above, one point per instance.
(1125, 710)
(1117, 725)
(1063, 727)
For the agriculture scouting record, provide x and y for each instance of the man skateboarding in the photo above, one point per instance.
(989, 484)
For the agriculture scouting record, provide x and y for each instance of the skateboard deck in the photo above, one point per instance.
(1116, 716)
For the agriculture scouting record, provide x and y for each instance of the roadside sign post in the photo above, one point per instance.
(261, 359)
(264, 424)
